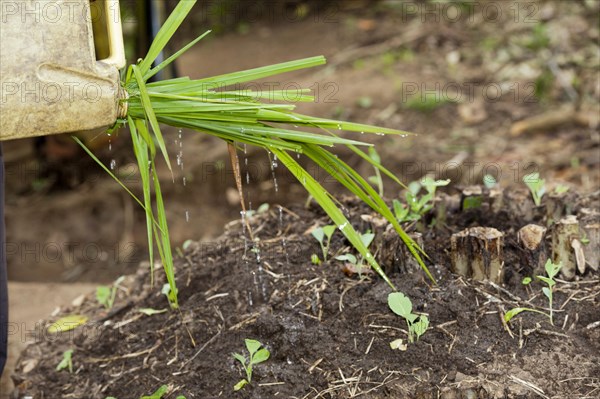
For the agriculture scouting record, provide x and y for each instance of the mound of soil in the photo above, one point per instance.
(328, 330)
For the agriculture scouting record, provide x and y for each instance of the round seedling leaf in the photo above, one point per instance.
(252, 346)
(329, 230)
(400, 304)
(421, 326)
(318, 234)
(261, 356)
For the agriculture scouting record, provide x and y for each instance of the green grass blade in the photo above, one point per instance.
(248, 75)
(140, 148)
(172, 58)
(167, 256)
(111, 174)
(165, 33)
(323, 198)
(149, 111)
(362, 189)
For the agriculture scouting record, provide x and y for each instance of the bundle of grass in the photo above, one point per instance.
(239, 117)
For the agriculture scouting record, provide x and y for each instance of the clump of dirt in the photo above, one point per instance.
(328, 331)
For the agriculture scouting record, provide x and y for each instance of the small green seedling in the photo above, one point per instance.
(489, 181)
(376, 180)
(358, 263)
(551, 271)
(417, 207)
(263, 208)
(536, 185)
(105, 294)
(315, 260)
(257, 355)
(402, 306)
(320, 234)
(66, 362)
(561, 189)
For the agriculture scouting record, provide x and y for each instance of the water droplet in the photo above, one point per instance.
(187, 216)
(184, 180)
(113, 164)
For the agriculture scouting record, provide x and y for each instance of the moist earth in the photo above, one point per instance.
(328, 329)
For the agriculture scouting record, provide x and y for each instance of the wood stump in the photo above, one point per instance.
(477, 252)
(565, 231)
(590, 226)
(533, 254)
(394, 254)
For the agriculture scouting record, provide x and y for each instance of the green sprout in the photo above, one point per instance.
(416, 207)
(320, 233)
(489, 181)
(256, 355)
(536, 185)
(561, 189)
(66, 362)
(105, 294)
(552, 270)
(315, 260)
(402, 306)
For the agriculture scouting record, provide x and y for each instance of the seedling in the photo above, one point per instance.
(402, 306)
(105, 294)
(322, 233)
(561, 189)
(536, 186)
(256, 355)
(489, 181)
(315, 260)
(358, 262)
(551, 271)
(417, 207)
(263, 208)
(66, 362)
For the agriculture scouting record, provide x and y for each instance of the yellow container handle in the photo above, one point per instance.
(115, 34)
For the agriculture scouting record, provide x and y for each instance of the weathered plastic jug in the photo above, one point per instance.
(50, 79)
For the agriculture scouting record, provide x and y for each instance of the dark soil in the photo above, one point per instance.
(328, 332)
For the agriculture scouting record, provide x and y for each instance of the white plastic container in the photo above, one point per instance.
(50, 80)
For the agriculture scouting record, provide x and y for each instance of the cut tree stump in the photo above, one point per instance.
(477, 252)
(395, 255)
(408, 263)
(520, 204)
(590, 224)
(559, 206)
(565, 231)
(533, 254)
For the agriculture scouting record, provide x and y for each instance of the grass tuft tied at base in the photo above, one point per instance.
(209, 106)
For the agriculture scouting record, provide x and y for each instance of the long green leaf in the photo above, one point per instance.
(149, 111)
(323, 198)
(165, 33)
